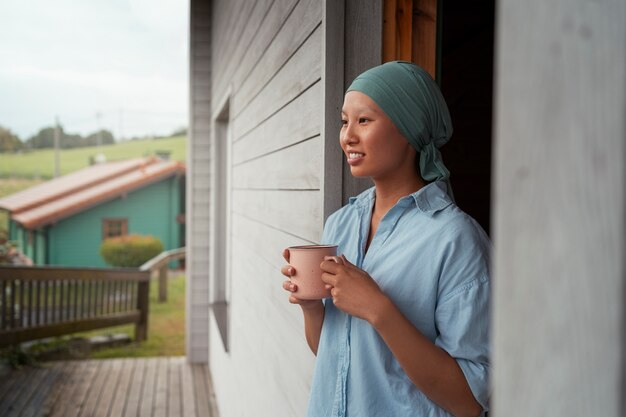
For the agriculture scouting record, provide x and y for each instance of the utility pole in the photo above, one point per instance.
(99, 134)
(57, 146)
(120, 133)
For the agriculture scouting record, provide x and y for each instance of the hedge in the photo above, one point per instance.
(130, 251)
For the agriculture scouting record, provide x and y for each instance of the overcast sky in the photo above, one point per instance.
(123, 59)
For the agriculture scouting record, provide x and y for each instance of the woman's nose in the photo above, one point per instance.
(349, 137)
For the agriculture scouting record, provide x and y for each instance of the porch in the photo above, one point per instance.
(142, 387)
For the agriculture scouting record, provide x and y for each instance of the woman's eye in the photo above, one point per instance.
(363, 120)
(344, 122)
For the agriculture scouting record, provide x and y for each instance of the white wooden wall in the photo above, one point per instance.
(280, 68)
(198, 181)
(267, 61)
(560, 196)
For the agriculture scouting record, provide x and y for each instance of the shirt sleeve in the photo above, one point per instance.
(462, 311)
(463, 324)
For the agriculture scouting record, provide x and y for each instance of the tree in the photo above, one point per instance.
(71, 141)
(106, 138)
(8, 141)
(179, 132)
(44, 138)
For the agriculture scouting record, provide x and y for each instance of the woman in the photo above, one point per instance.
(406, 330)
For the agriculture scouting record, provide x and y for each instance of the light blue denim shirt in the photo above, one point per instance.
(432, 260)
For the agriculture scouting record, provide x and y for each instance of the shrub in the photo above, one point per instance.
(130, 251)
(9, 253)
(5, 247)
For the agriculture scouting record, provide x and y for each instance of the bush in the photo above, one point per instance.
(130, 251)
(9, 253)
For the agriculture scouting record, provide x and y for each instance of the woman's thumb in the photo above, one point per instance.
(346, 261)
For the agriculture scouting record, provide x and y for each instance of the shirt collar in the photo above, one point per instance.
(428, 199)
(364, 198)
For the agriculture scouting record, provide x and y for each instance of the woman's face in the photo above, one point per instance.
(373, 145)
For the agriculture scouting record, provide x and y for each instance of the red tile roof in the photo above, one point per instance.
(64, 196)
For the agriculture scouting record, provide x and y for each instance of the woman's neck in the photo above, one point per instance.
(388, 192)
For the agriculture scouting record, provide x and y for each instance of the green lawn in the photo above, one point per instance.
(4, 221)
(166, 326)
(12, 185)
(40, 164)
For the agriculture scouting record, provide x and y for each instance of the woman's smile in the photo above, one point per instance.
(355, 158)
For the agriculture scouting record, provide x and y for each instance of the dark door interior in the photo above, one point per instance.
(453, 40)
(465, 67)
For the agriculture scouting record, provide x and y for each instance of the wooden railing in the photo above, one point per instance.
(160, 263)
(40, 302)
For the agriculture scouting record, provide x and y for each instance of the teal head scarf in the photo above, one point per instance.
(412, 100)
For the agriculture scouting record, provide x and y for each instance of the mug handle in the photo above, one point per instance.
(335, 259)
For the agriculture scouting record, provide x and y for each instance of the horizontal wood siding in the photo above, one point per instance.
(296, 122)
(264, 30)
(291, 80)
(295, 167)
(298, 27)
(267, 63)
(294, 212)
(198, 182)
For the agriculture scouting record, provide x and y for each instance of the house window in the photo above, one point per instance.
(114, 228)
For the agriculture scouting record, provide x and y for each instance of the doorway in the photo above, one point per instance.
(454, 42)
(465, 75)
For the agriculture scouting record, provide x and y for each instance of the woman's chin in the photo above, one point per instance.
(358, 173)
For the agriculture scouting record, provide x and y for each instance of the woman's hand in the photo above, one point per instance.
(353, 290)
(313, 310)
(289, 271)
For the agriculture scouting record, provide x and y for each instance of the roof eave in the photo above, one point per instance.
(78, 208)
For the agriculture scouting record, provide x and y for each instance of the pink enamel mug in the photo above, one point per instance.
(306, 261)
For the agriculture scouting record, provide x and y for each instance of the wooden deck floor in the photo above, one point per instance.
(144, 387)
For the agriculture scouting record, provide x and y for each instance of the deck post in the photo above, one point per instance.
(163, 283)
(143, 300)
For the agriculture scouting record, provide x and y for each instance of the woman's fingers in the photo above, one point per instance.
(303, 303)
(290, 286)
(294, 300)
(335, 259)
(331, 266)
(288, 270)
(329, 279)
(346, 261)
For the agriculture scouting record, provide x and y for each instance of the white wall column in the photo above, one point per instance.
(198, 182)
(559, 209)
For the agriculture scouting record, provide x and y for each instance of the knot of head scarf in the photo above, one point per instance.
(412, 100)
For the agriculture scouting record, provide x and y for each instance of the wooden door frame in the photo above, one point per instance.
(352, 43)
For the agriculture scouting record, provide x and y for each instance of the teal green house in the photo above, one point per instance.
(64, 221)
